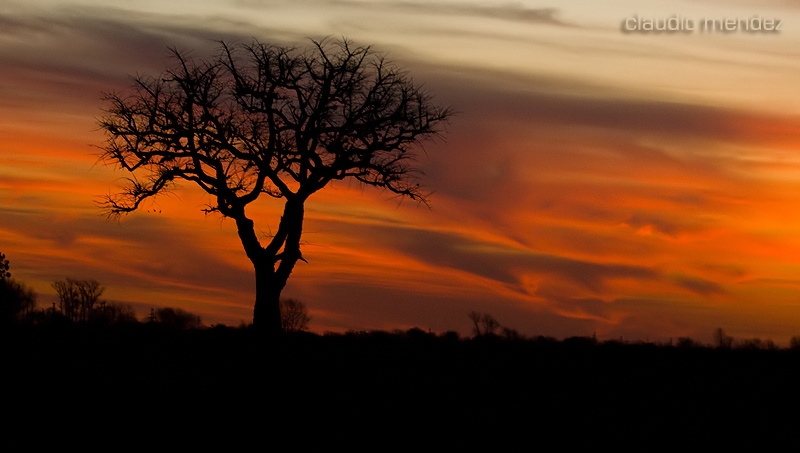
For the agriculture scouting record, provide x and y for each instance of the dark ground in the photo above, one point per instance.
(357, 389)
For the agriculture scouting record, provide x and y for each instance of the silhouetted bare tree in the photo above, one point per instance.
(272, 120)
(294, 315)
(490, 325)
(77, 298)
(483, 324)
(722, 340)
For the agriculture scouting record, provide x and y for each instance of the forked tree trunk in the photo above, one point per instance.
(273, 264)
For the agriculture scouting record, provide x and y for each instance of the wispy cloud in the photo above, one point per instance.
(699, 285)
(509, 11)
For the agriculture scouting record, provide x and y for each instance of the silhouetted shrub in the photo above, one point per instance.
(751, 343)
(417, 333)
(686, 342)
(511, 334)
(112, 313)
(176, 318)
(450, 335)
(4, 266)
(16, 301)
(581, 341)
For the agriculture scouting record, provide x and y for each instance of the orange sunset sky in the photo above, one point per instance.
(639, 185)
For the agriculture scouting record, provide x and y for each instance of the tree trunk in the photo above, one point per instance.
(267, 310)
(273, 264)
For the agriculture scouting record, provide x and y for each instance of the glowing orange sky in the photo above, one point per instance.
(640, 186)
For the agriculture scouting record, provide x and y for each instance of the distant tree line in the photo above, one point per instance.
(79, 302)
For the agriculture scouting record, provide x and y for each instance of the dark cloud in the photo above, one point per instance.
(513, 136)
(99, 48)
(20, 27)
(580, 239)
(699, 285)
(497, 262)
(542, 101)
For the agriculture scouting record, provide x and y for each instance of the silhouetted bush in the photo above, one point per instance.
(176, 318)
(112, 313)
(751, 344)
(686, 342)
(16, 301)
(580, 341)
(4, 268)
(450, 335)
(417, 333)
(511, 334)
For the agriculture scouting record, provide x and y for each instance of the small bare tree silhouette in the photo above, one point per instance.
(483, 324)
(294, 315)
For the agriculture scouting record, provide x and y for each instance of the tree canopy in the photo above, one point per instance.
(16, 300)
(4, 268)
